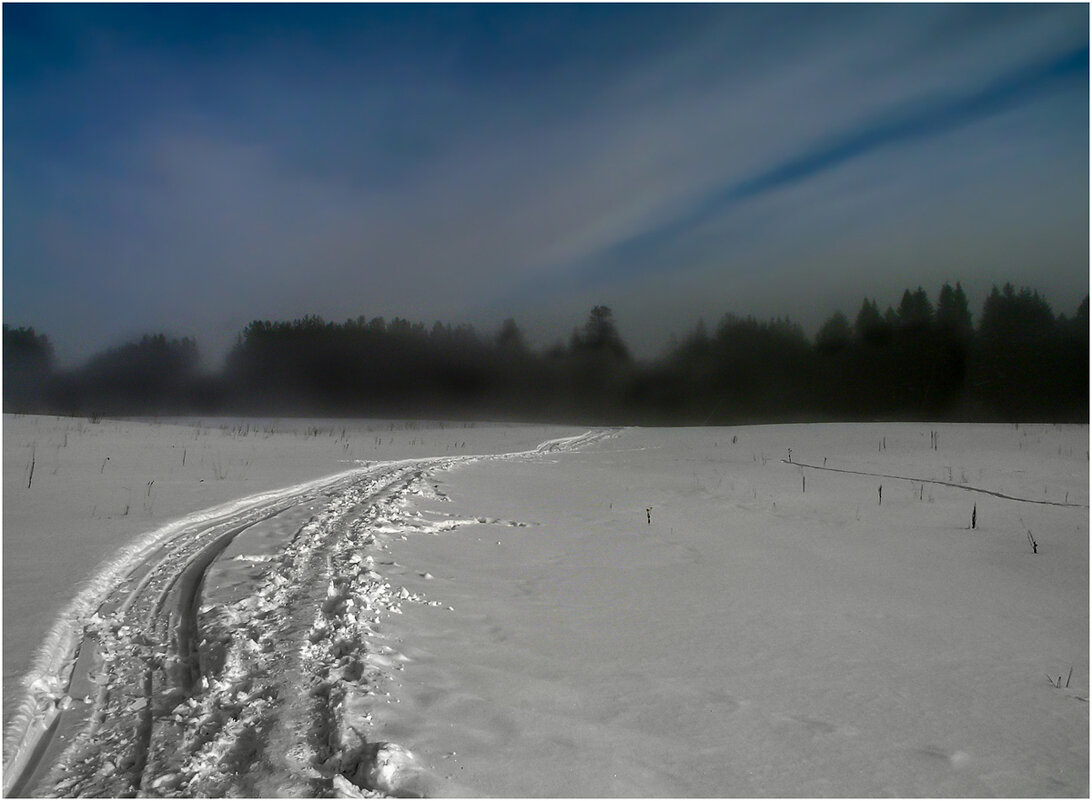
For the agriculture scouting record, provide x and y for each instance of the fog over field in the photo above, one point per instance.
(470, 609)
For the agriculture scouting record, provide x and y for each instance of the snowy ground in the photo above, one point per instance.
(763, 636)
(98, 486)
(77, 491)
(524, 628)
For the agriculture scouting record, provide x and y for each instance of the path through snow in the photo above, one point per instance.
(151, 683)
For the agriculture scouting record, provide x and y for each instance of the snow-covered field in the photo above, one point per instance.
(637, 612)
(77, 491)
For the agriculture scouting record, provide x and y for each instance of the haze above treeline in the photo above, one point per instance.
(189, 167)
(927, 358)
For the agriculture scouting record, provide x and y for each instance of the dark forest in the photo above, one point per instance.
(920, 361)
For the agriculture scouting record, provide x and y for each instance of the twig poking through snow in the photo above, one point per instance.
(1057, 684)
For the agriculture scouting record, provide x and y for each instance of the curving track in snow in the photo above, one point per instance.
(141, 688)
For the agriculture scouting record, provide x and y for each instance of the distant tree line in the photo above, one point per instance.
(920, 360)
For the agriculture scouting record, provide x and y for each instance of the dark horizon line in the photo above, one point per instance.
(672, 341)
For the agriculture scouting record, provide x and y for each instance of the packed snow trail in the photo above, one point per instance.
(160, 694)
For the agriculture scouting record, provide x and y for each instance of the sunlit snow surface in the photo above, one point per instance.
(775, 630)
(644, 612)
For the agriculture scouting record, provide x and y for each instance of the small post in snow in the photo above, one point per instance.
(648, 513)
(974, 517)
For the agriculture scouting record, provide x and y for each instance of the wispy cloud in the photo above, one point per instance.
(898, 127)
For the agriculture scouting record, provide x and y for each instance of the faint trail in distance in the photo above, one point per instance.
(966, 487)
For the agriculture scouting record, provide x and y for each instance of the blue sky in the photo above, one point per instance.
(189, 168)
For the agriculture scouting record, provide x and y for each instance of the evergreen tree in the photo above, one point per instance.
(510, 338)
(915, 313)
(953, 315)
(835, 334)
(600, 336)
(954, 336)
(870, 327)
(1016, 356)
(28, 370)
